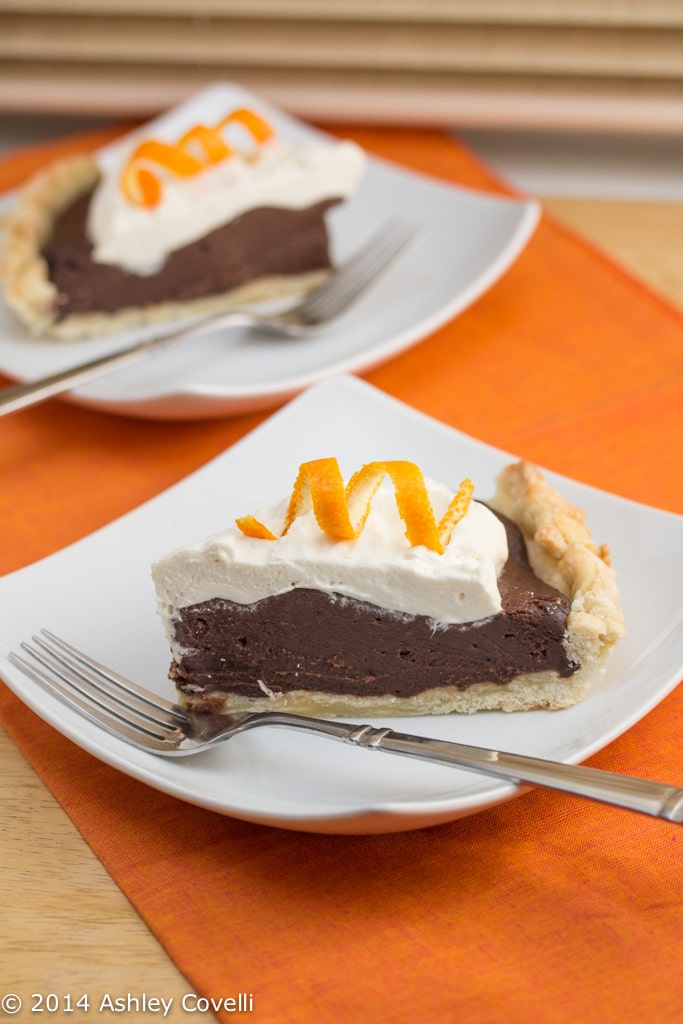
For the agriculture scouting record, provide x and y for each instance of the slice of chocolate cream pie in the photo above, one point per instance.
(392, 595)
(227, 215)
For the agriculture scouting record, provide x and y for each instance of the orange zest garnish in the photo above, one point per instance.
(200, 147)
(209, 140)
(341, 511)
(251, 527)
(140, 185)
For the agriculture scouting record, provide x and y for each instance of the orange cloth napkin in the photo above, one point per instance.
(546, 909)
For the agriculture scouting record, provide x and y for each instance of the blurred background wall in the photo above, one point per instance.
(605, 65)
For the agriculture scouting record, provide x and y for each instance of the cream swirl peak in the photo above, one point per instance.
(288, 175)
(380, 566)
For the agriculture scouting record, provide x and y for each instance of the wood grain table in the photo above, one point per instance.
(68, 928)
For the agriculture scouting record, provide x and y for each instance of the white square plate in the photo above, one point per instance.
(467, 241)
(98, 594)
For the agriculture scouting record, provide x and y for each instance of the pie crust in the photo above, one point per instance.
(562, 553)
(34, 298)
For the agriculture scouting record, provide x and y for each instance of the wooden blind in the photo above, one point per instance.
(604, 64)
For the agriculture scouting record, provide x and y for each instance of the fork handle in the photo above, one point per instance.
(21, 396)
(654, 798)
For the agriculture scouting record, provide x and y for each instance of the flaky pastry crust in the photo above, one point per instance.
(562, 553)
(26, 229)
(34, 298)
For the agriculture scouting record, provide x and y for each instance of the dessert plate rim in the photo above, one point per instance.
(226, 376)
(267, 776)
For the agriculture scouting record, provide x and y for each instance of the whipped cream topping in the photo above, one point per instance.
(380, 566)
(291, 175)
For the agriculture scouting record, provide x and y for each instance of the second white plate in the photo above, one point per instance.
(468, 240)
(98, 594)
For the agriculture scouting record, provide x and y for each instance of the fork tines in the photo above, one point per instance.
(104, 697)
(361, 271)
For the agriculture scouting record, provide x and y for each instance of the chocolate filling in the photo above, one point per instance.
(269, 241)
(308, 640)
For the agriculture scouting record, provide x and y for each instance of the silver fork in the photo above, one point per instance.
(154, 724)
(320, 307)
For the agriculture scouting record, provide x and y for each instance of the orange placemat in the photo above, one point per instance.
(543, 910)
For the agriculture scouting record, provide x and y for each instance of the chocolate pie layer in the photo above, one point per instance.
(305, 640)
(266, 242)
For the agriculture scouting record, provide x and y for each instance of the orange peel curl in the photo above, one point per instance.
(342, 510)
(200, 147)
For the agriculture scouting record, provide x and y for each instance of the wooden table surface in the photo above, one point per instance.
(69, 929)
